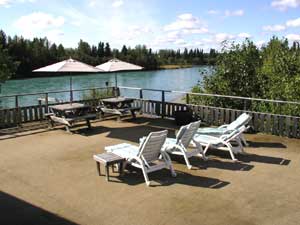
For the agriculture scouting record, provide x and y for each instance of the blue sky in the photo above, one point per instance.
(155, 23)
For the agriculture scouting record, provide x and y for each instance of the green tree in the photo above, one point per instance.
(7, 66)
(237, 73)
(107, 50)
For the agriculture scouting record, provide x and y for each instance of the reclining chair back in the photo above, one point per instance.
(150, 149)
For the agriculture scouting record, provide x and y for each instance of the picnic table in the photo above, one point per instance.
(118, 106)
(68, 114)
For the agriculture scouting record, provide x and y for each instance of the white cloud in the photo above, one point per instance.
(55, 35)
(226, 13)
(215, 40)
(180, 42)
(173, 37)
(5, 2)
(135, 31)
(40, 24)
(174, 34)
(285, 4)
(92, 3)
(213, 12)
(39, 20)
(293, 37)
(220, 37)
(282, 27)
(77, 18)
(187, 24)
(293, 23)
(260, 43)
(274, 28)
(117, 4)
(239, 12)
(244, 35)
(8, 3)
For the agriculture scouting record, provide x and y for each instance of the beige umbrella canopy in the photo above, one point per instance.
(115, 65)
(69, 66)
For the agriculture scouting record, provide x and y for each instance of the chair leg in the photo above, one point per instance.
(200, 150)
(88, 123)
(245, 143)
(146, 176)
(168, 161)
(173, 173)
(98, 168)
(187, 161)
(206, 149)
(231, 152)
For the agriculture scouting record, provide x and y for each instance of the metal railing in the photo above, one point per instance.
(267, 122)
(188, 95)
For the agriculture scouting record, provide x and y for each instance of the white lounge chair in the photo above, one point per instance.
(148, 156)
(179, 145)
(223, 142)
(242, 120)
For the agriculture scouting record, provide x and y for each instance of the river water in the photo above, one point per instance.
(177, 79)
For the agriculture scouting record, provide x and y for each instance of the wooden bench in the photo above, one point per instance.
(108, 159)
(69, 122)
(120, 112)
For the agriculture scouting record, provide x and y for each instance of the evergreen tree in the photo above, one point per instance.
(107, 50)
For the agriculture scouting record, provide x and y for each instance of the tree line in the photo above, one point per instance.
(19, 56)
(270, 72)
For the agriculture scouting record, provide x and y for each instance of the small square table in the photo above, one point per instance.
(108, 159)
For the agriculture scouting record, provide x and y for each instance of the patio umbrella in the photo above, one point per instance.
(69, 66)
(115, 65)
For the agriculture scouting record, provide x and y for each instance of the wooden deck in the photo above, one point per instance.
(50, 177)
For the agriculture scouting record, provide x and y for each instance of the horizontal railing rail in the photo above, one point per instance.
(55, 92)
(214, 95)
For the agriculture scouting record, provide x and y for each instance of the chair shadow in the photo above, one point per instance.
(251, 158)
(16, 211)
(264, 159)
(199, 163)
(164, 178)
(95, 130)
(266, 144)
(132, 134)
(153, 122)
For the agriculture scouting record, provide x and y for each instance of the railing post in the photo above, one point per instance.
(187, 98)
(71, 96)
(141, 93)
(245, 105)
(17, 111)
(16, 101)
(46, 102)
(116, 91)
(40, 110)
(163, 104)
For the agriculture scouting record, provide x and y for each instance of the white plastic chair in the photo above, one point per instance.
(179, 145)
(223, 142)
(242, 120)
(148, 156)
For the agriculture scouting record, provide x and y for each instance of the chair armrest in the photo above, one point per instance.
(223, 126)
(210, 137)
(49, 114)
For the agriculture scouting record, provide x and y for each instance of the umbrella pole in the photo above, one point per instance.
(71, 90)
(116, 80)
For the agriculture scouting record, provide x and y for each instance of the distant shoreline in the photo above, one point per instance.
(175, 66)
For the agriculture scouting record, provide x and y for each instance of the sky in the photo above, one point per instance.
(159, 24)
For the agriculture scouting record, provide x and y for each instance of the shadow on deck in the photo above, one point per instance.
(16, 211)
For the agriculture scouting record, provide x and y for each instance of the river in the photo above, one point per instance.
(177, 79)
